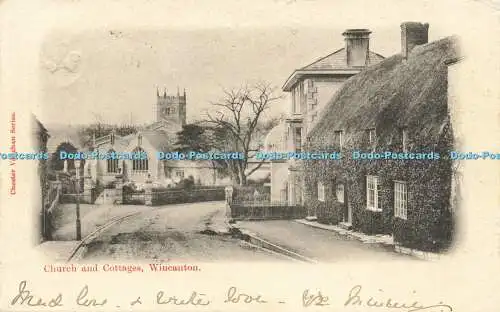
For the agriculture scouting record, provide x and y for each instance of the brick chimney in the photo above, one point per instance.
(413, 34)
(357, 45)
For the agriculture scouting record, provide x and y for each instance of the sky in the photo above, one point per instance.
(110, 73)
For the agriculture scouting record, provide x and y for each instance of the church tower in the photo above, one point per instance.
(171, 108)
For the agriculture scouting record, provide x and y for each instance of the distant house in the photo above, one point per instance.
(40, 136)
(276, 141)
(398, 105)
(310, 88)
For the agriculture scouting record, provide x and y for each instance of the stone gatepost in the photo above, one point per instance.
(148, 199)
(58, 184)
(229, 199)
(88, 184)
(119, 187)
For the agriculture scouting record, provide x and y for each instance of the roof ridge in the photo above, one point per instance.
(451, 39)
(322, 58)
(376, 91)
(377, 54)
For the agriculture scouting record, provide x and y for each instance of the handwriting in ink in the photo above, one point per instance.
(195, 299)
(137, 301)
(234, 297)
(314, 299)
(83, 300)
(355, 298)
(25, 296)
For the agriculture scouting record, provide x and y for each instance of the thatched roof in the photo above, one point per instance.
(394, 93)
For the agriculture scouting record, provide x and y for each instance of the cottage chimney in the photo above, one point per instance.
(357, 45)
(412, 35)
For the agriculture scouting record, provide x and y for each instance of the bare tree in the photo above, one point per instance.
(238, 115)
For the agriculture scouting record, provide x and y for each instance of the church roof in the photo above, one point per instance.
(156, 125)
(105, 139)
(160, 140)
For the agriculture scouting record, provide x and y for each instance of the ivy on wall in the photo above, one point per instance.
(429, 223)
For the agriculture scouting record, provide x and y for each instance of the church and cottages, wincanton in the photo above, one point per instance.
(400, 104)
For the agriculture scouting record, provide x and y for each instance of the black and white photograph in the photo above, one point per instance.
(281, 155)
(336, 147)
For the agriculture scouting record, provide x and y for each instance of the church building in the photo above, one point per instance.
(158, 136)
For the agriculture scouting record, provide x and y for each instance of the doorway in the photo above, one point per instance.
(342, 197)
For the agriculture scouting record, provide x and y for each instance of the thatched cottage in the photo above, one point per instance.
(398, 105)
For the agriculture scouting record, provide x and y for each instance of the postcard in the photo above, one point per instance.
(284, 155)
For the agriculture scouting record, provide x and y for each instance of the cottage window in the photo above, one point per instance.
(400, 200)
(139, 164)
(338, 139)
(179, 174)
(372, 193)
(321, 192)
(112, 164)
(340, 193)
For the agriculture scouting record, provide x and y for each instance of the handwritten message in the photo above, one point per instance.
(355, 297)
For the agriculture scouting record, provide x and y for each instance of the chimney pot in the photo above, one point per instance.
(357, 46)
(412, 35)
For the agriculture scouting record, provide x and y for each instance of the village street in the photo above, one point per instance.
(174, 233)
(198, 232)
(318, 244)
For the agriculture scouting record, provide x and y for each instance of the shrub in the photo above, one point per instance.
(186, 183)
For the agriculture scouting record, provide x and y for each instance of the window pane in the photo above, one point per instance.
(298, 140)
(372, 200)
(400, 200)
(340, 193)
(139, 164)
